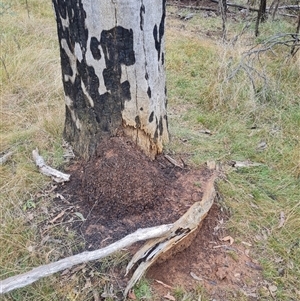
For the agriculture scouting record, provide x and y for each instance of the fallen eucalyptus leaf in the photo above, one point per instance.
(226, 238)
(80, 216)
(131, 295)
(169, 297)
(247, 243)
(195, 277)
(163, 284)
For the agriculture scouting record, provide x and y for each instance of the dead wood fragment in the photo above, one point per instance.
(42, 271)
(193, 7)
(5, 157)
(247, 163)
(56, 175)
(173, 161)
(237, 6)
(180, 230)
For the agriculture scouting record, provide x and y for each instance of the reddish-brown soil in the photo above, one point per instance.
(121, 190)
(224, 270)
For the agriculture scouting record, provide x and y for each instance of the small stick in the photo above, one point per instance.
(5, 157)
(56, 175)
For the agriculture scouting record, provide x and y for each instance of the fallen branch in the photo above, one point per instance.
(207, 8)
(5, 157)
(56, 175)
(35, 274)
(173, 161)
(163, 239)
(179, 231)
(292, 7)
(237, 6)
(288, 15)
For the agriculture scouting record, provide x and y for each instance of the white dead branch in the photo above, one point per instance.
(179, 231)
(163, 239)
(247, 163)
(35, 274)
(5, 157)
(56, 175)
(173, 161)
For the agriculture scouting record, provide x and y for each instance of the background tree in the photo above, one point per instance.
(112, 58)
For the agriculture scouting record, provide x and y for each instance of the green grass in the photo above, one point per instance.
(239, 119)
(201, 97)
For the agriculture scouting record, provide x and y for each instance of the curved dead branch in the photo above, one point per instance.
(179, 231)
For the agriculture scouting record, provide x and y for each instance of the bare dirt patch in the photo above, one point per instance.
(121, 190)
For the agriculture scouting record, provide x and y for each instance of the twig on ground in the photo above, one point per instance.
(56, 175)
(5, 157)
(173, 161)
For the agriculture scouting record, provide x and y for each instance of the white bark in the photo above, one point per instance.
(108, 44)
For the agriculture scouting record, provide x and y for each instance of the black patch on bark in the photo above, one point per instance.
(149, 92)
(151, 117)
(146, 76)
(66, 68)
(137, 121)
(94, 45)
(159, 33)
(141, 109)
(160, 126)
(125, 88)
(155, 135)
(142, 11)
(162, 58)
(117, 47)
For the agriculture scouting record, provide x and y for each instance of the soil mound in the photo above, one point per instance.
(121, 190)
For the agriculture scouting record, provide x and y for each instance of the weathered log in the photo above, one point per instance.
(35, 274)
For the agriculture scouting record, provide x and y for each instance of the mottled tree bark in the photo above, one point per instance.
(112, 58)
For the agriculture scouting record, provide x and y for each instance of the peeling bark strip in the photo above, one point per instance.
(182, 230)
(112, 59)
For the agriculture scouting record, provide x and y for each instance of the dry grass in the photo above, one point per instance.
(200, 97)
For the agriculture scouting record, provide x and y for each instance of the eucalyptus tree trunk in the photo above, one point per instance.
(112, 58)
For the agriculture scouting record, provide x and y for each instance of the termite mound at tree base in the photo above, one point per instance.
(121, 189)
